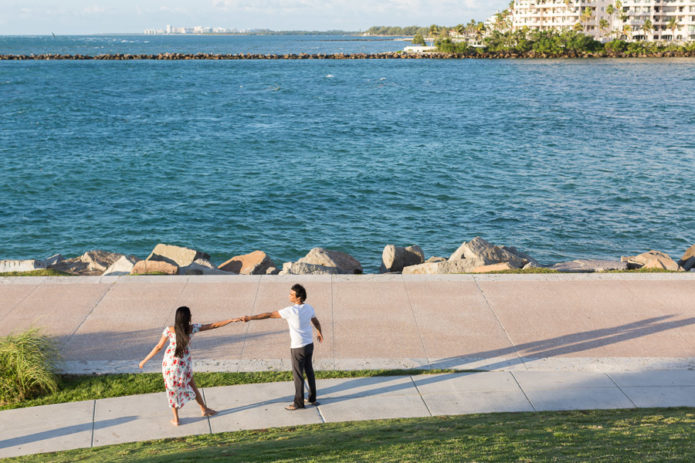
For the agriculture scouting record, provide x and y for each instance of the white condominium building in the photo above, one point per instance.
(653, 20)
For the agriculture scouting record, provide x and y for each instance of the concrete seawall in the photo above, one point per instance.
(582, 322)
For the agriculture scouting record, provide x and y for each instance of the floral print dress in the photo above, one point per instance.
(178, 372)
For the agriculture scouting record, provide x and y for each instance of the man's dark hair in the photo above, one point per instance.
(299, 291)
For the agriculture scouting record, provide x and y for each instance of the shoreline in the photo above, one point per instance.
(335, 56)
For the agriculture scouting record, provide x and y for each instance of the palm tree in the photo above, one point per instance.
(603, 25)
(627, 29)
(587, 14)
(647, 27)
(673, 25)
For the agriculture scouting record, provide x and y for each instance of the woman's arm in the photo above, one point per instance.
(154, 351)
(212, 326)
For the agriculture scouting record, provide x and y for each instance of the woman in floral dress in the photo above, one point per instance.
(177, 368)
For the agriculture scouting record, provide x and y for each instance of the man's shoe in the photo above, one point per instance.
(314, 403)
(292, 407)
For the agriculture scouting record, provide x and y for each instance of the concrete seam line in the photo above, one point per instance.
(621, 390)
(94, 412)
(499, 322)
(420, 394)
(17, 304)
(332, 323)
(202, 392)
(96, 304)
(248, 325)
(523, 392)
(417, 327)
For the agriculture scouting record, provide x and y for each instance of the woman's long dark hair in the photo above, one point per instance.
(182, 326)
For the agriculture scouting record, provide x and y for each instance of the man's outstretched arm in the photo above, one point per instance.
(261, 316)
(317, 325)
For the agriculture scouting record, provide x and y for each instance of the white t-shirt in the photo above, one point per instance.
(299, 317)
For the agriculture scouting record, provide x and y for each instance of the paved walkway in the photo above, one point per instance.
(546, 342)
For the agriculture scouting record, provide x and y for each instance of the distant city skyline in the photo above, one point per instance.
(40, 17)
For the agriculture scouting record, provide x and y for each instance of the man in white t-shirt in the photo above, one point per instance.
(300, 316)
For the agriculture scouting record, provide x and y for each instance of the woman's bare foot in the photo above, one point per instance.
(175, 422)
(209, 412)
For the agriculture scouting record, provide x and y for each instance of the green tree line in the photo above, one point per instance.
(557, 43)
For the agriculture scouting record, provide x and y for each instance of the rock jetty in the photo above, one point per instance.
(340, 56)
(474, 256)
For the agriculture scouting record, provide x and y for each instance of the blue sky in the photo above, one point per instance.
(100, 17)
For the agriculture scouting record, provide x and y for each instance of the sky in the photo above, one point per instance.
(39, 17)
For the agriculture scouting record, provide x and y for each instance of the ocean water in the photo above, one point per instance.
(563, 159)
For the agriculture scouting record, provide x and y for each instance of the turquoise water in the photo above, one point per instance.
(564, 159)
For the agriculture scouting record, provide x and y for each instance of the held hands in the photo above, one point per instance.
(319, 336)
(142, 364)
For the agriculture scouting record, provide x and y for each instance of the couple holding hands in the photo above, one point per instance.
(177, 367)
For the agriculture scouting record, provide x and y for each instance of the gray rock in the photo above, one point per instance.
(436, 259)
(344, 263)
(53, 260)
(479, 252)
(177, 255)
(302, 268)
(589, 266)
(530, 260)
(28, 265)
(445, 267)
(254, 263)
(651, 259)
(122, 266)
(272, 271)
(201, 267)
(687, 261)
(94, 262)
(394, 258)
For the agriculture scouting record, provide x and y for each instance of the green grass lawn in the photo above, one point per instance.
(37, 273)
(643, 435)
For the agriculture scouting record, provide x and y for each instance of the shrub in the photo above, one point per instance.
(27, 362)
(418, 39)
(449, 46)
(616, 46)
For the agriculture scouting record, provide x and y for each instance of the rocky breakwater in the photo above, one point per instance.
(475, 256)
(342, 56)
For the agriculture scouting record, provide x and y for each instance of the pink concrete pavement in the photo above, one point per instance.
(589, 322)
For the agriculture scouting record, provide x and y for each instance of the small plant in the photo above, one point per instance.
(27, 363)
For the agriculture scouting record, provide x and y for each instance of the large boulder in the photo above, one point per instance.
(589, 266)
(178, 255)
(394, 258)
(255, 263)
(201, 267)
(7, 266)
(478, 252)
(301, 268)
(94, 262)
(493, 268)
(156, 267)
(122, 266)
(439, 268)
(344, 263)
(651, 259)
(688, 259)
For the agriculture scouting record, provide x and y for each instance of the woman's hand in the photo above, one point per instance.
(142, 364)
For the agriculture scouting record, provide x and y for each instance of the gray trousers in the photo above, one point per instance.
(301, 363)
